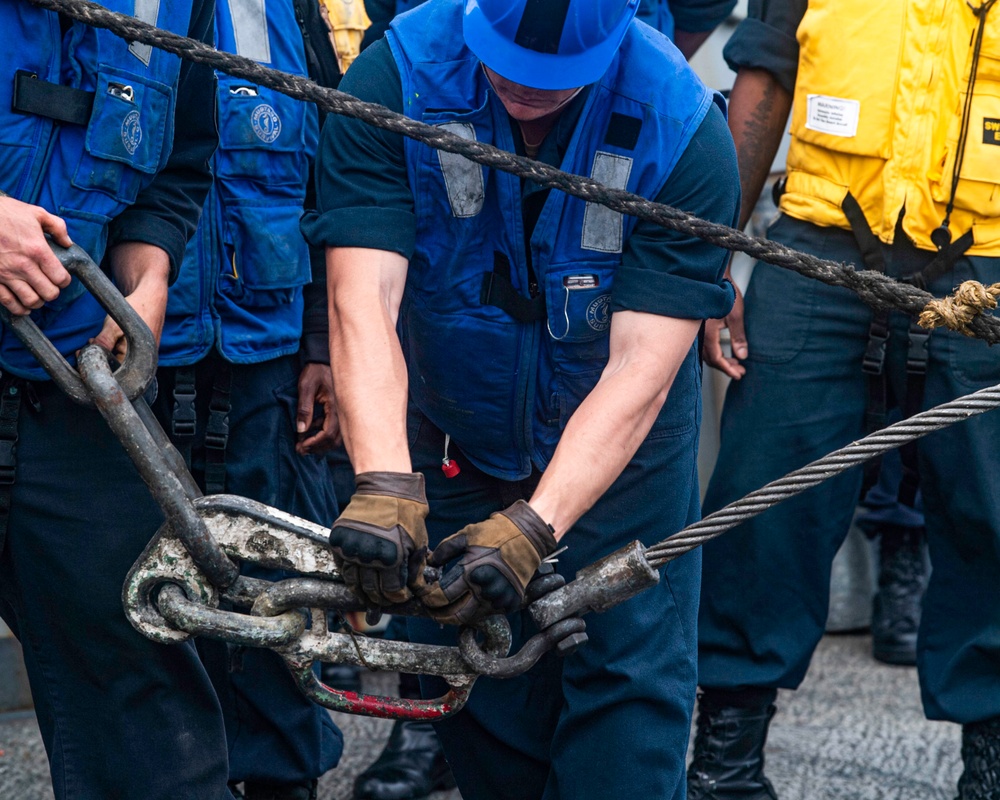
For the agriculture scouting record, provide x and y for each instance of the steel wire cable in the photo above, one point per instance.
(874, 289)
(794, 483)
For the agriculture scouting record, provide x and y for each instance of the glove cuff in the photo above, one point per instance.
(404, 485)
(535, 529)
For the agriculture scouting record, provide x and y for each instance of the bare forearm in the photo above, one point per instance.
(369, 373)
(688, 42)
(612, 422)
(141, 271)
(758, 111)
(134, 263)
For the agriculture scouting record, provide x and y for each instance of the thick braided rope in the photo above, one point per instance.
(796, 482)
(957, 311)
(874, 289)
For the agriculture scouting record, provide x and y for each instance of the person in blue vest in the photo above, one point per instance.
(103, 146)
(234, 382)
(411, 764)
(546, 348)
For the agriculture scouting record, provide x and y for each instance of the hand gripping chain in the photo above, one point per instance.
(175, 588)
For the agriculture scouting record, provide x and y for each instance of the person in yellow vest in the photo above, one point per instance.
(894, 165)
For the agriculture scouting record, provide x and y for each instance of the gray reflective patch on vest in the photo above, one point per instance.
(603, 228)
(147, 11)
(250, 29)
(462, 178)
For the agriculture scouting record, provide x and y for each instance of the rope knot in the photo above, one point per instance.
(955, 312)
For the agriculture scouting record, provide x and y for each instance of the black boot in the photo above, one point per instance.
(305, 790)
(411, 766)
(901, 580)
(981, 756)
(728, 759)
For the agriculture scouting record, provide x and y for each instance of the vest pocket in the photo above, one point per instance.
(578, 305)
(978, 188)
(261, 134)
(577, 330)
(837, 104)
(267, 250)
(469, 378)
(129, 136)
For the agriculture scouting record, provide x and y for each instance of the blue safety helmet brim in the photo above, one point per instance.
(541, 70)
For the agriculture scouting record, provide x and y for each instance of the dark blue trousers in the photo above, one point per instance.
(613, 719)
(766, 584)
(275, 734)
(120, 716)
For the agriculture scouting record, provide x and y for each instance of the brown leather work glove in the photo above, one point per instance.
(380, 541)
(497, 559)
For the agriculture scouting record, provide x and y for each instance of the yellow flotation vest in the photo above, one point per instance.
(884, 121)
(348, 22)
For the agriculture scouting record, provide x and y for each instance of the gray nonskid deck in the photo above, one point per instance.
(854, 731)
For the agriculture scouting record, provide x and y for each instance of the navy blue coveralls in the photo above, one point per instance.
(230, 354)
(120, 716)
(766, 584)
(613, 719)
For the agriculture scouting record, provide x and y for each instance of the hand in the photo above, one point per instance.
(316, 387)
(711, 350)
(141, 271)
(497, 560)
(380, 541)
(30, 273)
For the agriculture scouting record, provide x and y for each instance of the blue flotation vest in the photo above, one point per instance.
(87, 174)
(240, 286)
(504, 389)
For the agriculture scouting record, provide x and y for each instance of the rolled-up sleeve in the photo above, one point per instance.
(363, 191)
(674, 274)
(766, 39)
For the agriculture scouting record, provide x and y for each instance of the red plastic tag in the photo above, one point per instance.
(450, 468)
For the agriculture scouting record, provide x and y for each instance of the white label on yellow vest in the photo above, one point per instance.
(833, 115)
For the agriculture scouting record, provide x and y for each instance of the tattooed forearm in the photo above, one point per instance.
(758, 110)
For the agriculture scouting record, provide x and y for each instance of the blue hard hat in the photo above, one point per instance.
(547, 44)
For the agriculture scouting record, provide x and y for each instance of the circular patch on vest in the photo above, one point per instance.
(599, 313)
(266, 123)
(131, 132)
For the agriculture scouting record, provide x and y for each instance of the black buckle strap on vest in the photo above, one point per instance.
(184, 418)
(916, 371)
(217, 430)
(498, 291)
(41, 98)
(10, 407)
(942, 262)
(873, 363)
(871, 253)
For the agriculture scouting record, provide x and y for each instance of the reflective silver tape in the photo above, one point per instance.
(147, 11)
(463, 178)
(603, 228)
(250, 29)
